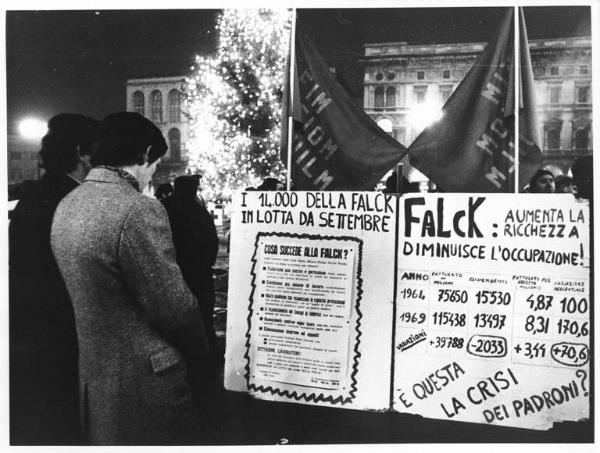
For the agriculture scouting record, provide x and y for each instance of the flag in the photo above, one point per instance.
(471, 148)
(530, 149)
(336, 145)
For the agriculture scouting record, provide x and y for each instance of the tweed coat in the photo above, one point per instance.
(138, 325)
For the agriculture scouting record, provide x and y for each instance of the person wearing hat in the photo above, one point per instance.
(44, 386)
(142, 344)
(196, 246)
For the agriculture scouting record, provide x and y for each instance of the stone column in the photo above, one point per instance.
(566, 133)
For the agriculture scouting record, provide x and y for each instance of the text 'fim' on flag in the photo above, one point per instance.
(471, 149)
(336, 145)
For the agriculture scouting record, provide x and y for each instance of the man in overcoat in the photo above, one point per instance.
(142, 342)
(43, 343)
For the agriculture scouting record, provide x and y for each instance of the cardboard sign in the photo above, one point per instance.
(301, 313)
(493, 309)
(455, 306)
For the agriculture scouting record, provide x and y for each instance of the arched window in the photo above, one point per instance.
(581, 139)
(157, 113)
(390, 97)
(174, 137)
(138, 102)
(378, 97)
(174, 106)
(553, 138)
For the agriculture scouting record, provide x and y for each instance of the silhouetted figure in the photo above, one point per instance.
(44, 388)
(407, 187)
(271, 184)
(196, 246)
(583, 177)
(163, 191)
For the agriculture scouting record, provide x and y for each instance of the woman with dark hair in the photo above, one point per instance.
(43, 344)
(542, 182)
(141, 337)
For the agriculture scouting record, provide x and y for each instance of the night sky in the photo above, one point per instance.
(78, 61)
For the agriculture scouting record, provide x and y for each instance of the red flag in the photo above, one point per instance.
(471, 148)
(530, 153)
(336, 145)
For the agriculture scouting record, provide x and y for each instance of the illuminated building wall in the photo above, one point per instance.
(160, 99)
(405, 85)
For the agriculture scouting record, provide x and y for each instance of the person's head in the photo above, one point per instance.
(68, 145)
(271, 184)
(564, 184)
(582, 170)
(127, 139)
(391, 183)
(163, 191)
(542, 182)
(186, 187)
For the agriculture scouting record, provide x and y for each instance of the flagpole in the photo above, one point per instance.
(517, 101)
(290, 112)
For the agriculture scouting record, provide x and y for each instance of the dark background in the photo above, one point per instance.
(78, 61)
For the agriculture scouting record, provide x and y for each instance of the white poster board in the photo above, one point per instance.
(493, 309)
(460, 307)
(297, 324)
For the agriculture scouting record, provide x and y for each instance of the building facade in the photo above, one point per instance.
(405, 85)
(160, 99)
(23, 159)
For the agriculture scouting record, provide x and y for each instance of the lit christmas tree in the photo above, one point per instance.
(234, 100)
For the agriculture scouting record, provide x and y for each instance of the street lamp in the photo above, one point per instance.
(424, 115)
(32, 128)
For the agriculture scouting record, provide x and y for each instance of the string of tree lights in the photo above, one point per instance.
(234, 100)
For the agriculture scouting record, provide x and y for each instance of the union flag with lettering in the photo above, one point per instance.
(471, 148)
(336, 145)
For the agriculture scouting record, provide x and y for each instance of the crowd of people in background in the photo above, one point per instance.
(112, 293)
(579, 184)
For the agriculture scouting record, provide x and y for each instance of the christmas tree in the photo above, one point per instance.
(234, 101)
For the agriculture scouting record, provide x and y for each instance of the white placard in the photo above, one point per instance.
(451, 306)
(493, 305)
(297, 326)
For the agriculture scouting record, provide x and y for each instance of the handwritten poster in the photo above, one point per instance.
(460, 307)
(493, 309)
(298, 327)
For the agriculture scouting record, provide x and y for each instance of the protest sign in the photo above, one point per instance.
(297, 324)
(451, 306)
(493, 309)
